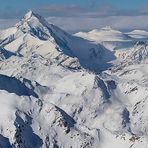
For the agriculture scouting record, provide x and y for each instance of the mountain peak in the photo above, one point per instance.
(36, 26)
(29, 14)
(32, 22)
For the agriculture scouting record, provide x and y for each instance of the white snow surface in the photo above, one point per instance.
(63, 91)
(104, 34)
(138, 34)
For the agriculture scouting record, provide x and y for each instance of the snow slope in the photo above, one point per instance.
(59, 90)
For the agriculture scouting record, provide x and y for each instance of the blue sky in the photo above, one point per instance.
(24, 4)
(32, 4)
(80, 14)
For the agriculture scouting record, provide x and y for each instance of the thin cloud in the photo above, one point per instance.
(75, 11)
(75, 24)
(79, 11)
(62, 10)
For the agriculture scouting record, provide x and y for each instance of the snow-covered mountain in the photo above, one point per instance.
(108, 37)
(138, 34)
(104, 34)
(37, 36)
(71, 91)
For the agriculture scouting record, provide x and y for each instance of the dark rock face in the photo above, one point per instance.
(13, 85)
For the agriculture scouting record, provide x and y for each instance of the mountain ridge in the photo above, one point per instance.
(60, 90)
